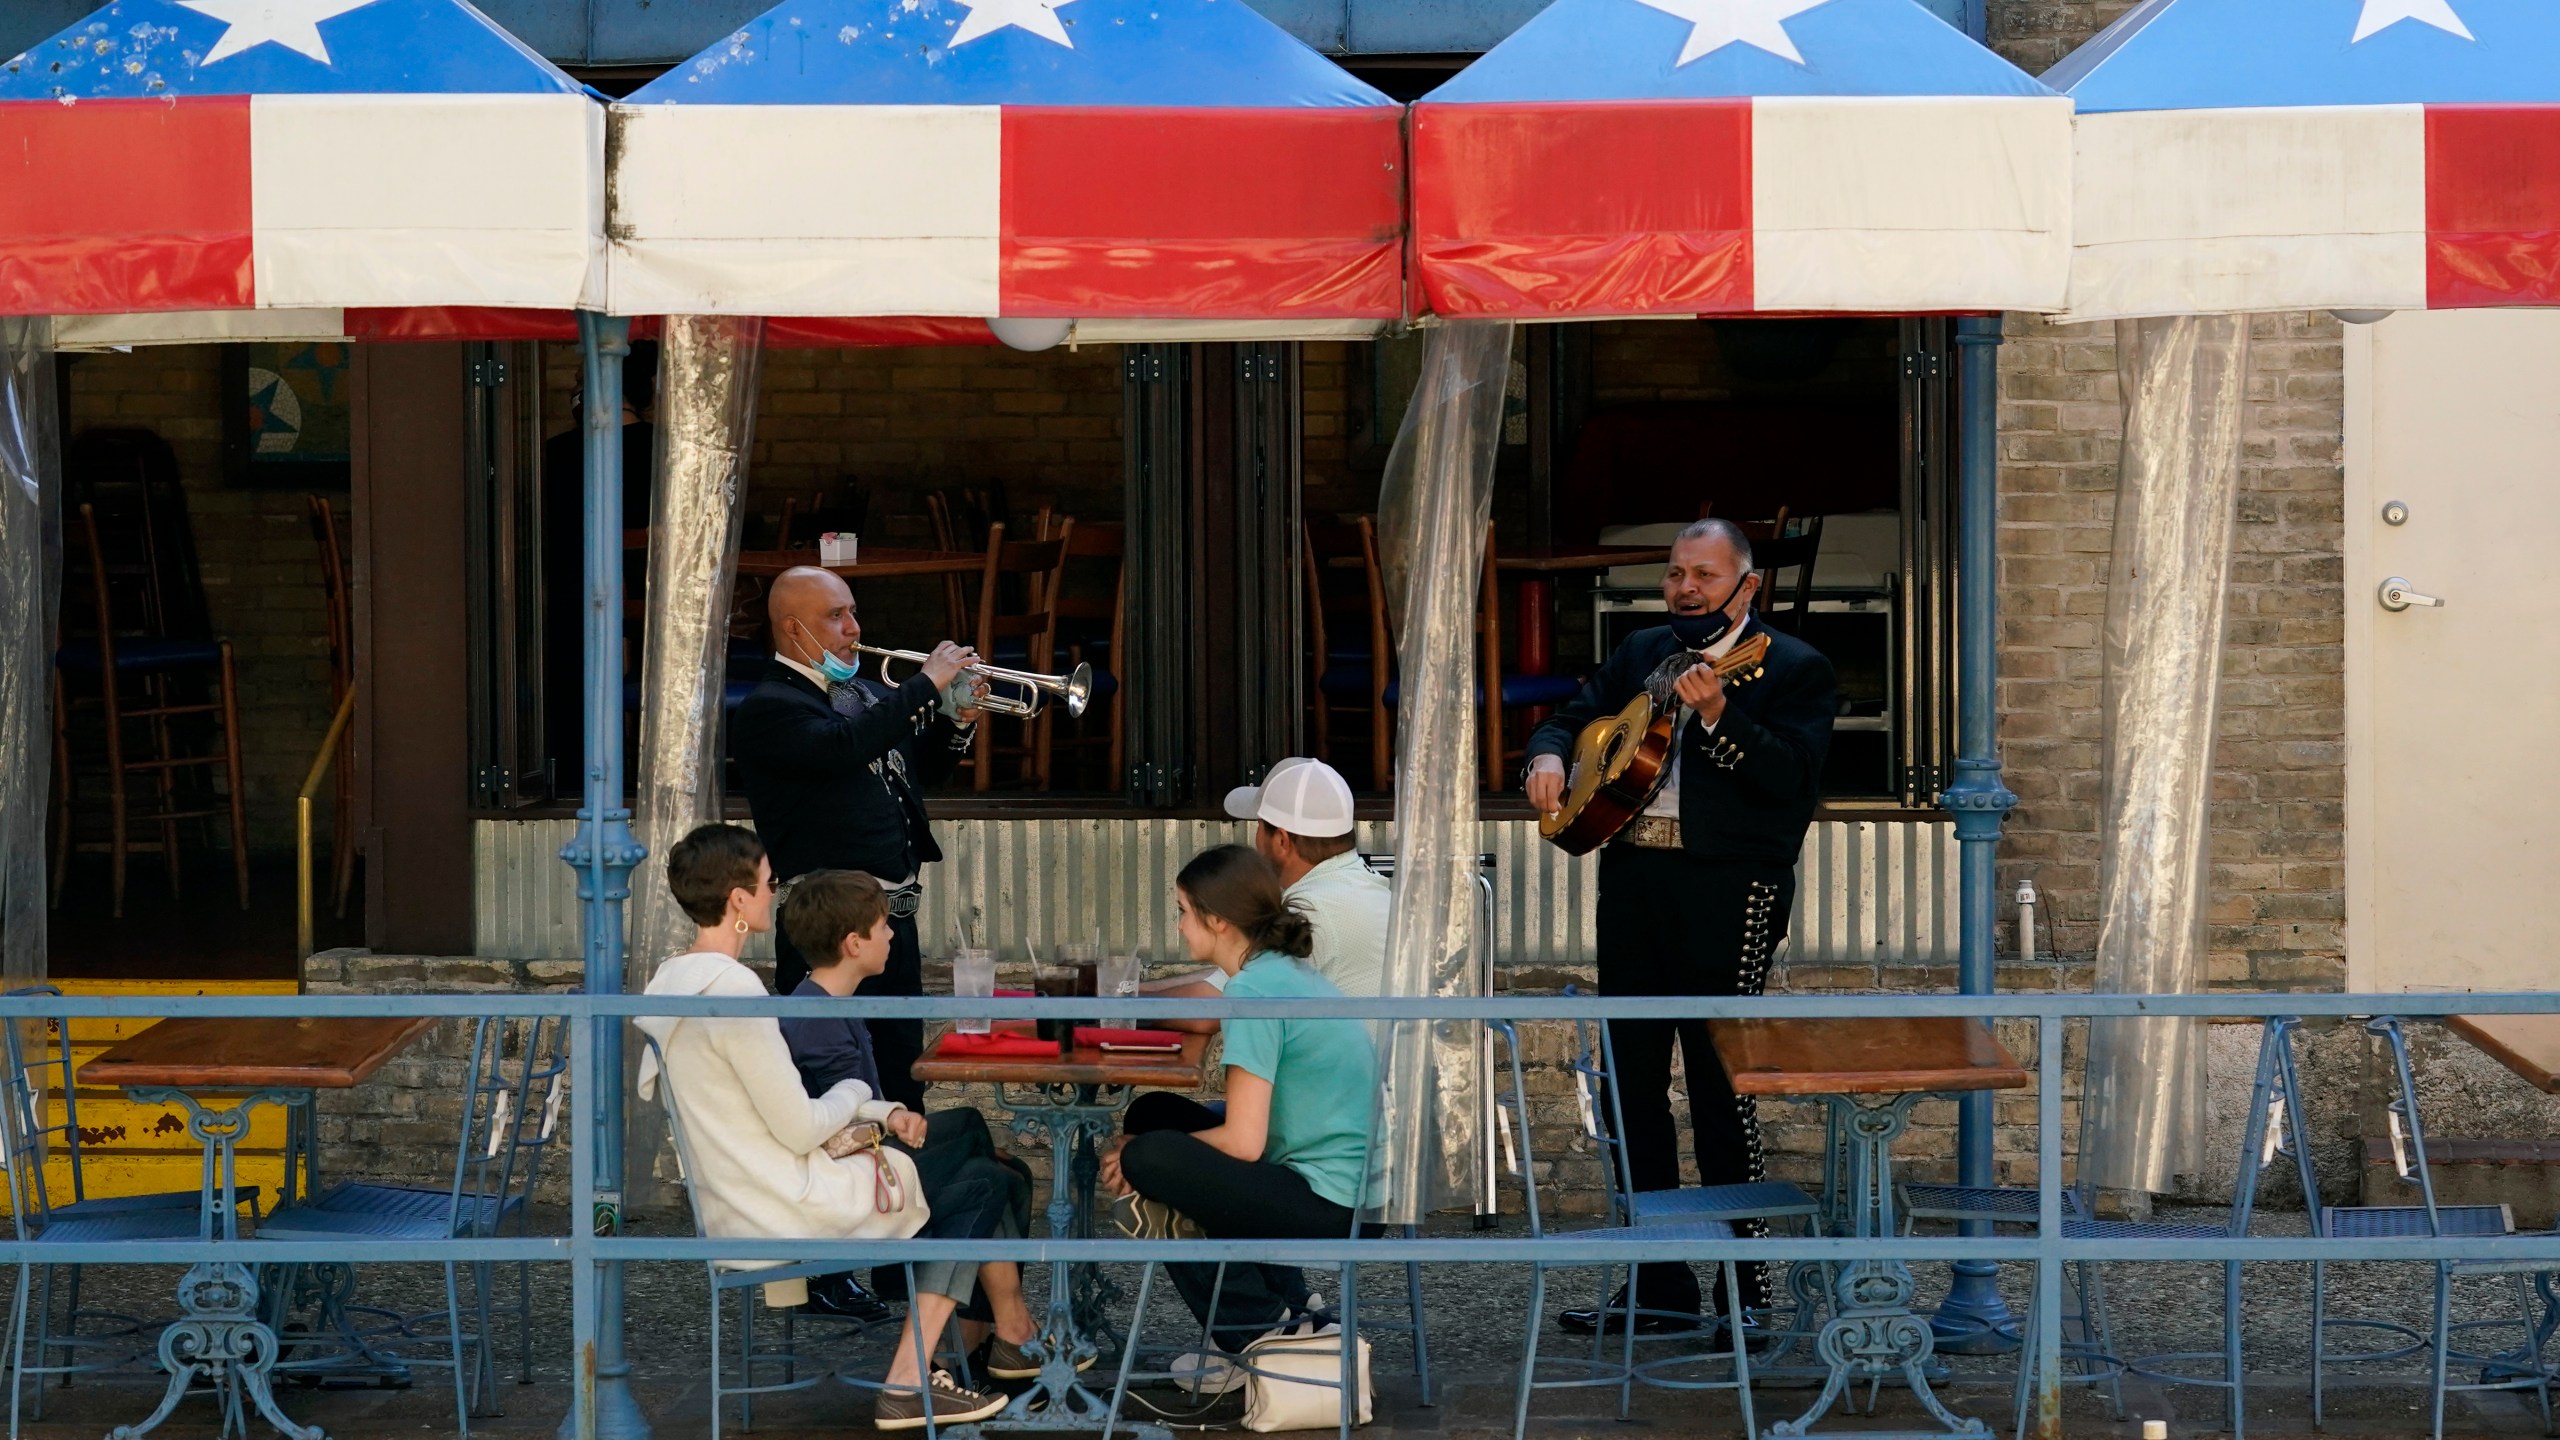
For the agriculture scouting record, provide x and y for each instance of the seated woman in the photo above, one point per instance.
(839, 921)
(759, 1142)
(1286, 1160)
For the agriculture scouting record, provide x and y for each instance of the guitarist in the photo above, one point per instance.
(1695, 892)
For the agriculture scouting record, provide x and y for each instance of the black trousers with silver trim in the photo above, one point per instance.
(1672, 924)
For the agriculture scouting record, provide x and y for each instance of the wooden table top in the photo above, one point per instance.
(1080, 1066)
(1601, 558)
(2527, 1044)
(880, 564)
(288, 1052)
(1888, 1055)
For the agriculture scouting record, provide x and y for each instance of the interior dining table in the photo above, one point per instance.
(883, 563)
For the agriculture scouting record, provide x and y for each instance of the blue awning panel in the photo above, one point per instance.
(137, 49)
(2217, 54)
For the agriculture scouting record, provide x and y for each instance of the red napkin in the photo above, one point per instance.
(997, 1046)
(1096, 1035)
(1016, 994)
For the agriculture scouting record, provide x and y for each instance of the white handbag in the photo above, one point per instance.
(1293, 1380)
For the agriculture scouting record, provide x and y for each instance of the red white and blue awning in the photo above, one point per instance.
(1683, 157)
(2239, 155)
(295, 155)
(1090, 159)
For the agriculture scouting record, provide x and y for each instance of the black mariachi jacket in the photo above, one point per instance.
(819, 782)
(1747, 792)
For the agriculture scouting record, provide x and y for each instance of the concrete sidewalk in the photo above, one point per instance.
(1477, 1327)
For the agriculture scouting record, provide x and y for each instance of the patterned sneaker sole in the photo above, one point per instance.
(956, 1413)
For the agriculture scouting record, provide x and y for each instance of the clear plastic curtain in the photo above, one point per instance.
(1432, 509)
(2184, 381)
(707, 367)
(30, 586)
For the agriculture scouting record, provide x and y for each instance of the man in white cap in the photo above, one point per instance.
(1302, 825)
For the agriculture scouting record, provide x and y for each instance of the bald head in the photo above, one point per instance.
(811, 611)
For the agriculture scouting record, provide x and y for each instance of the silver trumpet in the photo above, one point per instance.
(1070, 690)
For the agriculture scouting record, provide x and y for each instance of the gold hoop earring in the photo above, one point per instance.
(742, 926)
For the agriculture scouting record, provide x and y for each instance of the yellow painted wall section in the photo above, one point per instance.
(133, 1149)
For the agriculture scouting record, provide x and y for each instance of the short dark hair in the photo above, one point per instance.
(709, 863)
(1315, 849)
(1238, 886)
(827, 905)
(1731, 534)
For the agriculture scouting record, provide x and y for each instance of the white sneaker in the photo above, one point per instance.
(1205, 1376)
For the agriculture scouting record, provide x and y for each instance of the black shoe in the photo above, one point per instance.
(842, 1296)
(1651, 1320)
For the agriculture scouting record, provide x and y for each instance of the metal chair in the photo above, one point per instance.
(749, 1285)
(510, 1116)
(1347, 1334)
(2376, 1222)
(1597, 1370)
(1748, 1203)
(30, 1143)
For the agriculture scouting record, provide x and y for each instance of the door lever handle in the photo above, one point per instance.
(2396, 596)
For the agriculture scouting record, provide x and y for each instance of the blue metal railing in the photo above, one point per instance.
(2046, 1248)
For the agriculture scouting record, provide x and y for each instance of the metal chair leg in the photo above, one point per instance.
(2319, 1330)
(2235, 1368)
(1129, 1350)
(715, 1351)
(1529, 1355)
(1350, 1337)
(2444, 1342)
(453, 1334)
(1421, 1332)
(1736, 1327)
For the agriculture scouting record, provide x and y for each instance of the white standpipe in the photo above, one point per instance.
(2027, 921)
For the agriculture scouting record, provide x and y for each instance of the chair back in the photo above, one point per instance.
(335, 595)
(2408, 1132)
(1514, 1108)
(1795, 552)
(511, 1115)
(1037, 565)
(675, 1128)
(1092, 597)
(28, 1138)
(2274, 1127)
(1595, 1096)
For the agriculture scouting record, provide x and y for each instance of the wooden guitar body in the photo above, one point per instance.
(1621, 760)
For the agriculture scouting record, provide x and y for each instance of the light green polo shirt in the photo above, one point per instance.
(1323, 1074)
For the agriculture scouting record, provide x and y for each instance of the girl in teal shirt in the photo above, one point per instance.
(1286, 1159)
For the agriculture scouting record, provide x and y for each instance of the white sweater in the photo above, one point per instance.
(757, 1140)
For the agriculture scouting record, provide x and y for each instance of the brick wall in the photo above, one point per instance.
(260, 563)
(2278, 814)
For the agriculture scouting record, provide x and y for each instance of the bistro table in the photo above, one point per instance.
(1072, 1100)
(2529, 1045)
(873, 564)
(281, 1060)
(1871, 1071)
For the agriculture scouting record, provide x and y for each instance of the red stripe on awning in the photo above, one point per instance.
(120, 205)
(1261, 213)
(1608, 208)
(459, 322)
(2493, 205)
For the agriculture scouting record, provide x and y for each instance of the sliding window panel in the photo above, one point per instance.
(1924, 601)
(1271, 596)
(1156, 396)
(503, 580)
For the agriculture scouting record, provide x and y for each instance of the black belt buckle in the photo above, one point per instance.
(905, 900)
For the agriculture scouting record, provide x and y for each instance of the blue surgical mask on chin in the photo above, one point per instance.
(836, 671)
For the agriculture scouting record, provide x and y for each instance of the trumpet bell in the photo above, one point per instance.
(1077, 691)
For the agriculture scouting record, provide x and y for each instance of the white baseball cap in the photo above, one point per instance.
(1299, 795)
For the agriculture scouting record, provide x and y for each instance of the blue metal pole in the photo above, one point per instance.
(603, 854)
(1973, 1319)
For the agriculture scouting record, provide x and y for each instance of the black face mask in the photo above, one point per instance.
(1697, 632)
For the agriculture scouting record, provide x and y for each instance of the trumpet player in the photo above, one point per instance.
(836, 763)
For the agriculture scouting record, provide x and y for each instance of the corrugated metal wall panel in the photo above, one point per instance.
(1868, 892)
